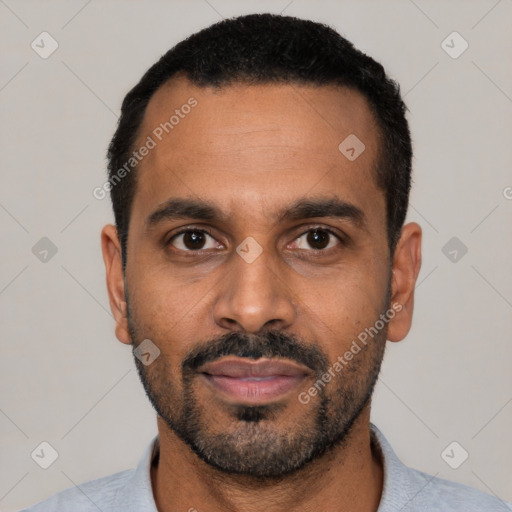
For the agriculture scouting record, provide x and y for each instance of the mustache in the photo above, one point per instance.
(270, 344)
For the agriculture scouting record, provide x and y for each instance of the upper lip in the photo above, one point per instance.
(263, 367)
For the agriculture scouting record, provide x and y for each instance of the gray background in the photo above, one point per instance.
(68, 381)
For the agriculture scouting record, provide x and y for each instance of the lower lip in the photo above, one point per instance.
(254, 391)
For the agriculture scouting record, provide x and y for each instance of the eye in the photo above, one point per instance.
(317, 239)
(193, 240)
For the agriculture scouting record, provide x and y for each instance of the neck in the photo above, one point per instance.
(348, 478)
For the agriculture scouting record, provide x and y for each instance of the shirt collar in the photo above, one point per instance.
(399, 487)
(396, 477)
(138, 492)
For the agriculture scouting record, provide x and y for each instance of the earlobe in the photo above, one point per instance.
(406, 267)
(112, 257)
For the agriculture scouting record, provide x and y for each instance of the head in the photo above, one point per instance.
(260, 218)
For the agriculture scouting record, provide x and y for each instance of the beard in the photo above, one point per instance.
(251, 439)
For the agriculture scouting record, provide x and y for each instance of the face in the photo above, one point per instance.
(257, 256)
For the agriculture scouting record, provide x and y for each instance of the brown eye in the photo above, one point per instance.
(317, 239)
(193, 240)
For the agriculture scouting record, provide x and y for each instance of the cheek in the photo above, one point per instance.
(164, 300)
(163, 313)
(344, 305)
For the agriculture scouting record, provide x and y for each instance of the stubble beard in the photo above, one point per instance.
(252, 443)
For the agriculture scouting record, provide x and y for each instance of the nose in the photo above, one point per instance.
(253, 297)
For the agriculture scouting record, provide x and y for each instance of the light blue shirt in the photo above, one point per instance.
(405, 490)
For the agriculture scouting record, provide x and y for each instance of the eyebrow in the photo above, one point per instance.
(180, 208)
(323, 207)
(305, 208)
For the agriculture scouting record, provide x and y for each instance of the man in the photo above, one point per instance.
(260, 175)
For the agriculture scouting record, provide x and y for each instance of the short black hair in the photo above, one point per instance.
(268, 48)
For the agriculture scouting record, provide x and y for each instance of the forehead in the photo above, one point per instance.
(246, 141)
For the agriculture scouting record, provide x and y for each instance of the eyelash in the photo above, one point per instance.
(193, 229)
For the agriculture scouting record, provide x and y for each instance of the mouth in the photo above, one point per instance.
(246, 381)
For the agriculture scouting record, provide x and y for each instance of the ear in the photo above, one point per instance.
(111, 248)
(406, 267)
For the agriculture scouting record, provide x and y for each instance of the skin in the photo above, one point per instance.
(253, 151)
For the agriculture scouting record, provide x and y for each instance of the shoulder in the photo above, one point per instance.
(409, 490)
(121, 492)
(98, 494)
(429, 493)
